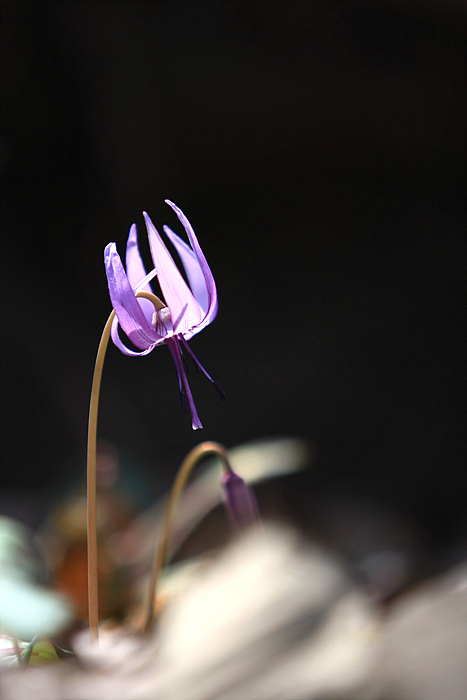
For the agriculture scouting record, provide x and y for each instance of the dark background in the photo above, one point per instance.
(318, 150)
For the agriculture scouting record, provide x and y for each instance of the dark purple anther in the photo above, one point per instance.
(220, 393)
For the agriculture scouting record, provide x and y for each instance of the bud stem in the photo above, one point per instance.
(183, 474)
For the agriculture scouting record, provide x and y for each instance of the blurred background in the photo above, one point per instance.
(318, 150)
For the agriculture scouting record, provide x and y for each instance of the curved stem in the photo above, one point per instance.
(158, 304)
(187, 466)
(93, 599)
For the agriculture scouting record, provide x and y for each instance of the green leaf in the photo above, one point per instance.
(41, 650)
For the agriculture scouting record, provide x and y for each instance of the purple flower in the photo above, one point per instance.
(187, 311)
(239, 501)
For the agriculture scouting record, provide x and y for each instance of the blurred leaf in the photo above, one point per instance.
(43, 651)
(37, 652)
(27, 607)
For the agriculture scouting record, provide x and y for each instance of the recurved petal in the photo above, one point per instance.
(129, 312)
(134, 264)
(142, 285)
(192, 268)
(136, 272)
(184, 308)
(121, 345)
(211, 311)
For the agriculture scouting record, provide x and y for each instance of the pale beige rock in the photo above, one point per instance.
(423, 654)
(269, 618)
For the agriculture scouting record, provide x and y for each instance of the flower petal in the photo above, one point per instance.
(136, 272)
(121, 345)
(184, 308)
(192, 268)
(150, 276)
(135, 269)
(129, 312)
(211, 312)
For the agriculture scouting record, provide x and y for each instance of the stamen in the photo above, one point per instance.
(183, 401)
(220, 393)
(174, 348)
(177, 369)
(199, 367)
(185, 363)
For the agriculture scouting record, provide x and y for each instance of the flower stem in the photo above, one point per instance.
(183, 474)
(93, 599)
(93, 602)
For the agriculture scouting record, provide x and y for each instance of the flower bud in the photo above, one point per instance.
(239, 501)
